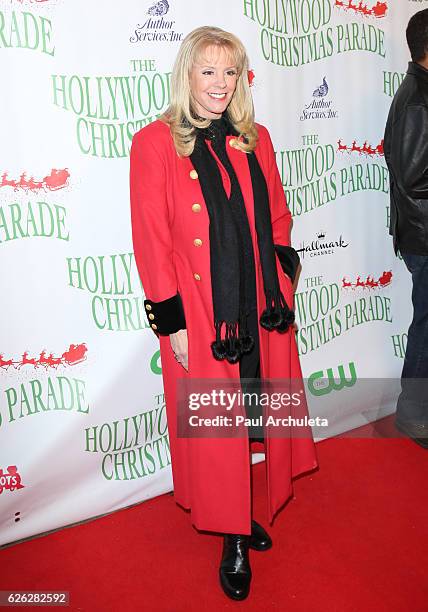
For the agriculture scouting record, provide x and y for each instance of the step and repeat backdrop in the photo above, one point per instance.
(82, 415)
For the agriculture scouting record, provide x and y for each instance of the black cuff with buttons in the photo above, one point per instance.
(166, 317)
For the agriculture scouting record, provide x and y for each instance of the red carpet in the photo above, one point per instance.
(354, 539)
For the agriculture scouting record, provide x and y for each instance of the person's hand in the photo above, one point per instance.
(179, 347)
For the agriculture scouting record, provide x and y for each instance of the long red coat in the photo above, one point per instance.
(211, 476)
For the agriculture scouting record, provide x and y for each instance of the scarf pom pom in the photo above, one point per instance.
(218, 350)
(233, 355)
(270, 320)
(287, 320)
(247, 344)
(283, 326)
(277, 320)
(289, 316)
(233, 349)
(265, 321)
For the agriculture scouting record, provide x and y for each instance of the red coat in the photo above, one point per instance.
(211, 476)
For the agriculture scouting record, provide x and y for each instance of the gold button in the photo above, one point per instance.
(196, 208)
(148, 307)
(193, 174)
(153, 326)
(196, 276)
(232, 142)
(151, 316)
(197, 242)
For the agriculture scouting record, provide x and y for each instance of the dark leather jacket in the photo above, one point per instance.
(406, 153)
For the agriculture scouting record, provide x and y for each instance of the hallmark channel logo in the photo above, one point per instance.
(10, 480)
(378, 11)
(322, 246)
(320, 107)
(156, 28)
(322, 383)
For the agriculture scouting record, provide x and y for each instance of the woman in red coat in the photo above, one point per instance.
(211, 239)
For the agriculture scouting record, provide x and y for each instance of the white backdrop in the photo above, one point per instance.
(82, 429)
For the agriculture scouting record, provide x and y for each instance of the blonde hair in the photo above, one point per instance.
(180, 115)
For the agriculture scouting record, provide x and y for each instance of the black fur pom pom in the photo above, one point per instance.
(265, 321)
(283, 327)
(275, 319)
(218, 350)
(232, 355)
(289, 316)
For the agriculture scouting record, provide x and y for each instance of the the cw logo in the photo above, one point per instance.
(330, 382)
(155, 363)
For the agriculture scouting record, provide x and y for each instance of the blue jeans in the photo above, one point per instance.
(412, 405)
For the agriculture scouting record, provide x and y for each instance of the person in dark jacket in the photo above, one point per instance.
(406, 153)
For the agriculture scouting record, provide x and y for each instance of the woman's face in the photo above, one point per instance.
(213, 82)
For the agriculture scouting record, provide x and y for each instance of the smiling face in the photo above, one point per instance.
(213, 82)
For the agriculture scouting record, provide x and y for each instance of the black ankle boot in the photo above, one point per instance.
(235, 570)
(259, 539)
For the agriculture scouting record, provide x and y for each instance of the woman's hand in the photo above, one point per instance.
(179, 345)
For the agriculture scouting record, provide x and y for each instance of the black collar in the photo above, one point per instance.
(418, 71)
(218, 128)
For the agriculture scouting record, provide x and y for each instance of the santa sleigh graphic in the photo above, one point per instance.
(369, 283)
(33, 1)
(75, 354)
(58, 179)
(378, 10)
(385, 279)
(365, 149)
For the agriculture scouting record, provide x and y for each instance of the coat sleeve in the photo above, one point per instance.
(280, 213)
(151, 235)
(414, 152)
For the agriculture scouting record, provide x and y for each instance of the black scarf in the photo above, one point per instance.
(233, 277)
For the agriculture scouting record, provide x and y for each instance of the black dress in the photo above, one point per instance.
(249, 368)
